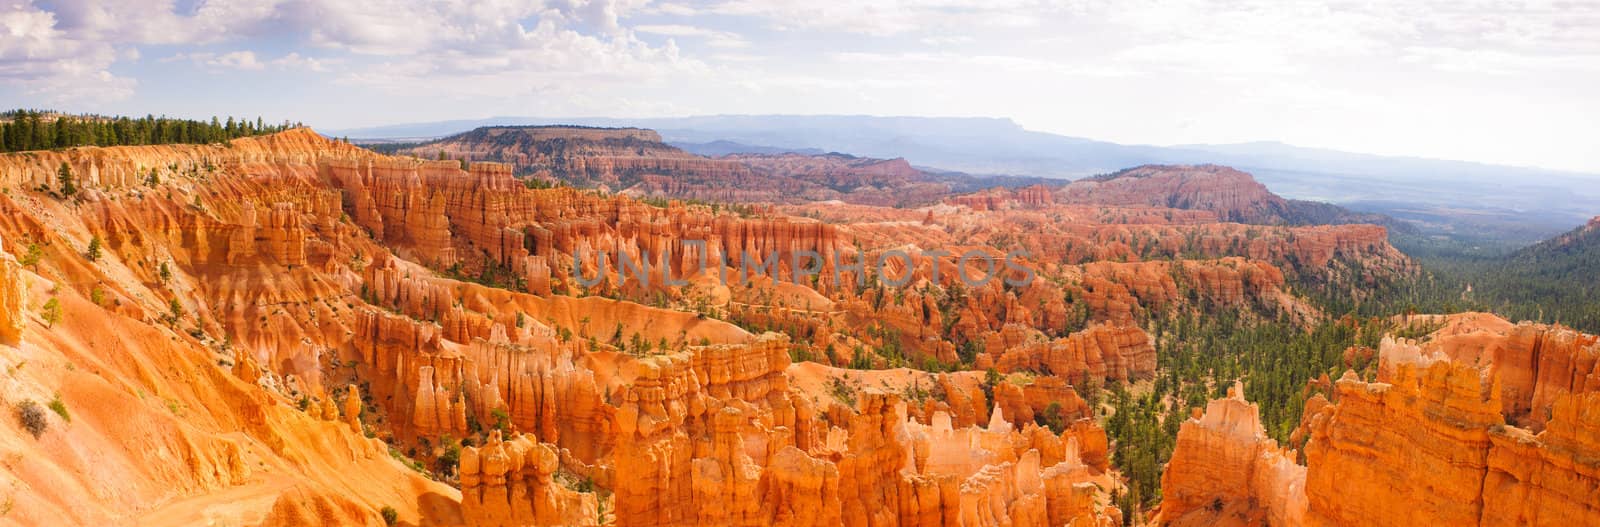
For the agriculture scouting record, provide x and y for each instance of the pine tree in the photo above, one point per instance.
(62, 139)
(51, 313)
(64, 178)
(32, 257)
(94, 249)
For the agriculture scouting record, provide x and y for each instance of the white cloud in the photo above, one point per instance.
(239, 60)
(296, 61)
(248, 61)
(669, 8)
(714, 38)
(892, 17)
(55, 65)
(544, 59)
(493, 42)
(233, 60)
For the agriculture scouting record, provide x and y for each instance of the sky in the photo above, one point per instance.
(1506, 82)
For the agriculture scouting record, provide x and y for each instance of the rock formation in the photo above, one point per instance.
(1224, 466)
(637, 162)
(1446, 414)
(1101, 352)
(512, 484)
(1233, 195)
(295, 317)
(1431, 441)
(13, 299)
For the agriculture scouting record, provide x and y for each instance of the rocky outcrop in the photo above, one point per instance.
(1224, 465)
(13, 299)
(637, 162)
(1388, 448)
(1116, 291)
(802, 491)
(279, 235)
(1235, 196)
(512, 483)
(693, 430)
(1550, 478)
(1427, 443)
(121, 167)
(1534, 364)
(1433, 431)
(1100, 352)
(1034, 196)
(866, 181)
(190, 351)
(1001, 479)
(610, 156)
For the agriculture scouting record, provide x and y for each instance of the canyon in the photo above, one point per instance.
(292, 330)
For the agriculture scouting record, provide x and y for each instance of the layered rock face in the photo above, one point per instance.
(880, 182)
(1115, 290)
(1229, 194)
(636, 162)
(1035, 196)
(13, 299)
(1445, 408)
(616, 157)
(1101, 352)
(1233, 195)
(1549, 478)
(1534, 364)
(511, 483)
(1432, 441)
(1225, 467)
(1423, 436)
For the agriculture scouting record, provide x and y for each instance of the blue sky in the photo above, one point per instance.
(1505, 82)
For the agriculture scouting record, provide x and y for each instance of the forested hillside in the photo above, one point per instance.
(22, 130)
(1551, 281)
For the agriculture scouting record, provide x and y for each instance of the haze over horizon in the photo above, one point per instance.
(1498, 82)
(644, 122)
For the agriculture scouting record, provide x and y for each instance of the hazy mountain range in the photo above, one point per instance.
(1469, 201)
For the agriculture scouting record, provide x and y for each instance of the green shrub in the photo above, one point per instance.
(51, 312)
(31, 258)
(390, 516)
(60, 408)
(176, 309)
(502, 420)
